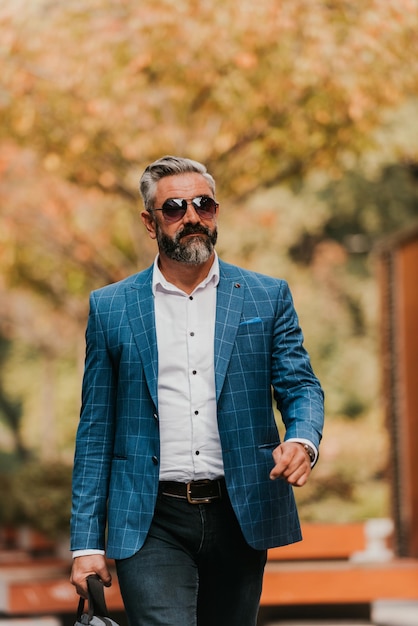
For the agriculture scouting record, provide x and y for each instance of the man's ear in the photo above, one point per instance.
(149, 223)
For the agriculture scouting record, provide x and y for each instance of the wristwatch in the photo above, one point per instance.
(310, 451)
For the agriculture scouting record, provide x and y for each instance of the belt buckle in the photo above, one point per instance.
(195, 499)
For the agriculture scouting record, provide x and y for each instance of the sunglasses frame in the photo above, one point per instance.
(181, 210)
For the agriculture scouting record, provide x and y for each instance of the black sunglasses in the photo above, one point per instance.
(175, 209)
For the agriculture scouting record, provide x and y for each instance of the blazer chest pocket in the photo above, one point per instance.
(251, 326)
(251, 343)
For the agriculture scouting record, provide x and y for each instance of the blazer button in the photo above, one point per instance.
(155, 416)
(155, 460)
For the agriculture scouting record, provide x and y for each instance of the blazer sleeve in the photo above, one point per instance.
(94, 440)
(297, 391)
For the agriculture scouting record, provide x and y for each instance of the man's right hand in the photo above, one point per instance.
(88, 565)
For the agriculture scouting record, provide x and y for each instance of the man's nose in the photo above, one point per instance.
(191, 214)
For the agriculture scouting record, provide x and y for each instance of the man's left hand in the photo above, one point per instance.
(292, 463)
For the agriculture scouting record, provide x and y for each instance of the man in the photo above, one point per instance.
(177, 448)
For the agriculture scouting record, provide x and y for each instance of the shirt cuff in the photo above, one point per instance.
(309, 443)
(77, 553)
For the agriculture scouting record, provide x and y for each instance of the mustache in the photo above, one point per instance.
(190, 229)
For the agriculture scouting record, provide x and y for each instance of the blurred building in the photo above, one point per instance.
(398, 276)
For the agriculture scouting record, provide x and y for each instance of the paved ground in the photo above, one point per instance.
(320, 623)
(382, 613)
(395, 613)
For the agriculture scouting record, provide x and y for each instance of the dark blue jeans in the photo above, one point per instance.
(195, 569)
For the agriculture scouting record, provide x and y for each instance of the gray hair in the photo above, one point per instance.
(169, 166)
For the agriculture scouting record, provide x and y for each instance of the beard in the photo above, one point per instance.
(195, 250)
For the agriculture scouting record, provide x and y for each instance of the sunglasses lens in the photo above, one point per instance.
(174, 210)
(205, 206)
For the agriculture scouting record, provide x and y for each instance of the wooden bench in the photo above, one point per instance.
(323, 542)
(316, 571)
(320, 570)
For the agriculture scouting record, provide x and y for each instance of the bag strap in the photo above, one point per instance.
(97, 603)
(96, 599)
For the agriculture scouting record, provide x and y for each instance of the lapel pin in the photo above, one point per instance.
(237, 285)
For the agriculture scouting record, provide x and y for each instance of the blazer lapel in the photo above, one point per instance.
(140, 311)
(229, 302)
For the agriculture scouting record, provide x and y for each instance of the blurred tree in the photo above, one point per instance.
(11, 408)
(259, 91)
(39, 497)
(364, 209)
(264, 93)
(91, 92)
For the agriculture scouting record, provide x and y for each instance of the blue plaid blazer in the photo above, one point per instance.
(259, 355)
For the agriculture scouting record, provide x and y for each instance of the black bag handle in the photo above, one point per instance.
(96, 600)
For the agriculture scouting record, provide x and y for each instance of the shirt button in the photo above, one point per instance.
(190, 297)
(197, 452)
(196, 412)
(192, 334)
(194, 372)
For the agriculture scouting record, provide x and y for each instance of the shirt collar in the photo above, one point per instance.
(159, 283)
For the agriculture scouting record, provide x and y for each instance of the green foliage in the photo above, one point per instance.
(366, 209)
(349, 483)
(39, 495)
(11, 408)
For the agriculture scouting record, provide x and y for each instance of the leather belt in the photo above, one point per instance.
(195, 492)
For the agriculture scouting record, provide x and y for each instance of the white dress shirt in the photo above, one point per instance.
(185, 324)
